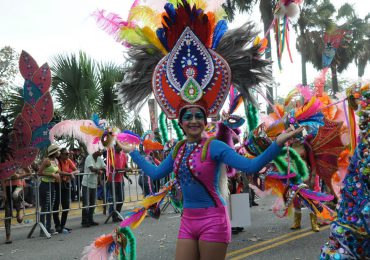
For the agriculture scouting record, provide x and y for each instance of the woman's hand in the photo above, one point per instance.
(57, 177)
(289, 134)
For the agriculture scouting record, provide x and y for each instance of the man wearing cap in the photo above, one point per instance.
(94, 166)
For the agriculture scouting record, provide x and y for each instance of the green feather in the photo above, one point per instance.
(179, 133)
(163, 127)
(252, 117)
(131, 243)
(297, 165)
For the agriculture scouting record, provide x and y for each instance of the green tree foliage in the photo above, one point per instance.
(8, 70)
(83, 87)
(315, 17)
(230, 6)
(360, 45)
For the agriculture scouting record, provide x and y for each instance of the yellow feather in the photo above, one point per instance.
(305, 107)
(153, 39)
(220, 14)
(199, 3)
(150, 200)
(256, 41)
(145, 16)
(137, 223)
(90, 130)
(290, 97)
(133, 36)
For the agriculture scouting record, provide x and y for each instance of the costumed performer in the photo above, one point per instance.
(191, 83)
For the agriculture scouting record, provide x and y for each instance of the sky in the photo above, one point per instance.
(45, 28)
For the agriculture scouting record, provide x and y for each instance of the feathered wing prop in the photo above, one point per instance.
(137, 216)
(72, 128)
(324, 151)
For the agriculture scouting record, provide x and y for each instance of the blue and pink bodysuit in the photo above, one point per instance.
(198, 169)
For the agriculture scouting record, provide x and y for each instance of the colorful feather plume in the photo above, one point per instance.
(309, 109)
(150, 145)
(146, 16)
(72, 128)
(121, 244)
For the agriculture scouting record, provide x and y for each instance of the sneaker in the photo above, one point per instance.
(53, 232)
(69, 229)
(234, 231)
(94, 223)
(65, 231)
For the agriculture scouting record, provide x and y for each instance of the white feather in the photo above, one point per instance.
(71, 128)
(223, 183)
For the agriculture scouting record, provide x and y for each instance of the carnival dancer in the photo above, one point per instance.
(205, 227)
(191, 60)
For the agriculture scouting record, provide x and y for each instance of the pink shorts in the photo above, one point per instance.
(207, 224)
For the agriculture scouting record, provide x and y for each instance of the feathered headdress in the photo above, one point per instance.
(187, 55)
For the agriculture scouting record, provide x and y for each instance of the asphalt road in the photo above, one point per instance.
(269, 237)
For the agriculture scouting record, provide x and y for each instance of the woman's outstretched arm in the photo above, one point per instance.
(225, 154)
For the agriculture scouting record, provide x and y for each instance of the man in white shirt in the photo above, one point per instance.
(94, 166)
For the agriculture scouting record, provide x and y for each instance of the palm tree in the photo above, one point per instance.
(230, 6)
(360, 29)
(315, 17)
(267, 14)
(75, 85)
(14, 104)
(82, 87)
(109, 75)
(312, 27)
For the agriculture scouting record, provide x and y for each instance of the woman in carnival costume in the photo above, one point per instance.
(189, 60)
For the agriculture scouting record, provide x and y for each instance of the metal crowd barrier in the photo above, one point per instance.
(130, 193)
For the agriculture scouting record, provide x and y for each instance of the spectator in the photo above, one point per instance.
(49, 172)
(13, 197)
(94, 166)
(78, 159)
(144, 181)
(63, 191)
(119, 168)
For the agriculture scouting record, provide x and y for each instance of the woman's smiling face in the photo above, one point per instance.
(193, 122)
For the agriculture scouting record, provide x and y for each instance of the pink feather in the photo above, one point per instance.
(133, 218)
(315, 107)
(91, 252)
(306, 92)
(127, 138)
(111, 23)
(319, 82)
(318, 196)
